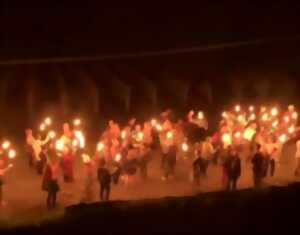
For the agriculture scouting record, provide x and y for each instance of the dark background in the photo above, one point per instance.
(107, 84)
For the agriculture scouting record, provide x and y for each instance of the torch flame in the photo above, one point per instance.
(52, 134)
(118, 157)
(251, 108)
(48, 121)
(100, 146)
(123, 134)
(294, 115)
(59, 145)
(274, 112)
(77, 122)
(237, 108)
(12, 154)
(42, 127)
(291, 129)
(169, 135)
(200, 115)
(6, 144)
(185, 147)
(283, 138)
(79, 135)
(153, 122)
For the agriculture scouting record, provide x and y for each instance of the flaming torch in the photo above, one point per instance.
(6, 145)
(12, 154)
(185, 147)
(100, 146)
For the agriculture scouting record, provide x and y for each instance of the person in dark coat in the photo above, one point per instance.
(50, 179)
(258, 167)
(170, 162)
(104, 179)
(233, 169)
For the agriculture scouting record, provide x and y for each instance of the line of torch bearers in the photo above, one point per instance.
(237, 126)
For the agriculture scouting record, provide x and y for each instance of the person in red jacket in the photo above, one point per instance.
(67, 164)
(50, 179)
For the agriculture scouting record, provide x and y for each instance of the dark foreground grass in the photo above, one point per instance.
(266, 211)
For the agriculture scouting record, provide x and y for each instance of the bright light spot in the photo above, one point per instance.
(85, 158)
(251, 108)
(118, 157)
(240, 118)
(185, 147)
(274, 112)
(237, 135)
(237, 108)
(48, 121)
(140, 136)
(52, 134)
(265, 117)
(158, 127)
(100, 146)
(42, 127)
(123, 134)
(169, 135)
(77, 122)
(200, 115)
(291, 129)
(59, 145)
(12, 154)
(286, 119)
(252, 117)
(153, 122)
(283, 138)
(224, 114)
(295, 115)
(275, 123)
(6, 145)
(226, 138)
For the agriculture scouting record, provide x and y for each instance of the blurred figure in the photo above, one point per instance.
(170, 163)
(207, 153)
(258, 167)
(89, 167)
(297, 156)
(104, 179)
(233, 169)
(50, 179)
(3, 171)
(29, 148)
(67, 164)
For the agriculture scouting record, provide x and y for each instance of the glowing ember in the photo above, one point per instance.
(52, 134)
(274, 112)
(42, 127)
(48, 121)
(283, 138)
(118, 157)
(77, 122)
(237, 108)
(200, 115)
(100, 146)
(6, 145)
(185, 147)
(12, 154)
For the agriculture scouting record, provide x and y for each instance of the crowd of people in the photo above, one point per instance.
(244, 136)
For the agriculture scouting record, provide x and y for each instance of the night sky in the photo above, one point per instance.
(61, 30)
